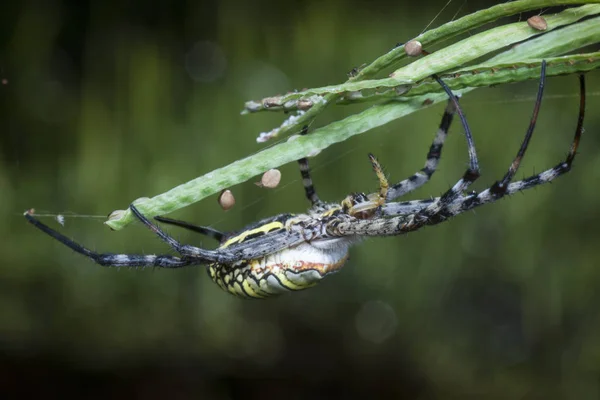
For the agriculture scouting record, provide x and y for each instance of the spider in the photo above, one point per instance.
(291, 252)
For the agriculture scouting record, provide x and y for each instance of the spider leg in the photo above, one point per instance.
(203, 230)
(433, 157)
(427, 216)
(199, 254)
(418, 179)
(406, 207)
(504, 187)
(434, 213)
(114, 260)
(456, 203)
(247, 250)
(440, 211)
(499, 188)
(309, 188)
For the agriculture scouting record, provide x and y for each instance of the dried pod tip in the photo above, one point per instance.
(413, 48)
(226, 199)
(537, 22)
(117, 214)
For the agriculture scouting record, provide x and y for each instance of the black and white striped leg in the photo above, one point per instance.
(433, 158)
(406, 207)
(112, 260)
(247, 250)
(203, 230)
(402, 223)
(499, 188)
(503, 187)
(498, 191)
(309, 188)
(455, 201)
(201, 256)
(441, 211)
(434, 213)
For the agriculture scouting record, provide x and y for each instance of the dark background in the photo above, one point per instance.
(108, 101)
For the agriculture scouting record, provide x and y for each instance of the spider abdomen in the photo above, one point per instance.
(292, 269)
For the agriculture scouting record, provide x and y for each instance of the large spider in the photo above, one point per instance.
(292, 252)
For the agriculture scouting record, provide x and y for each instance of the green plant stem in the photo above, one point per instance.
(553, 43)
(484, 75)
(244, 169)
(427, 39)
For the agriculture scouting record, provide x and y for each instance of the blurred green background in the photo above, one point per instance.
(105, 102)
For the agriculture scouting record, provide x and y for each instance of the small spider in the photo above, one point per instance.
(291, 252)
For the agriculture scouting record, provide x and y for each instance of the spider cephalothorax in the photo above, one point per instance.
(292, 252)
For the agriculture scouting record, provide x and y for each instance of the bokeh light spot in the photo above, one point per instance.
(376, 321)
(205, 62)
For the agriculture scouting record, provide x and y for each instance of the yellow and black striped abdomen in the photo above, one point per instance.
(292, 269)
